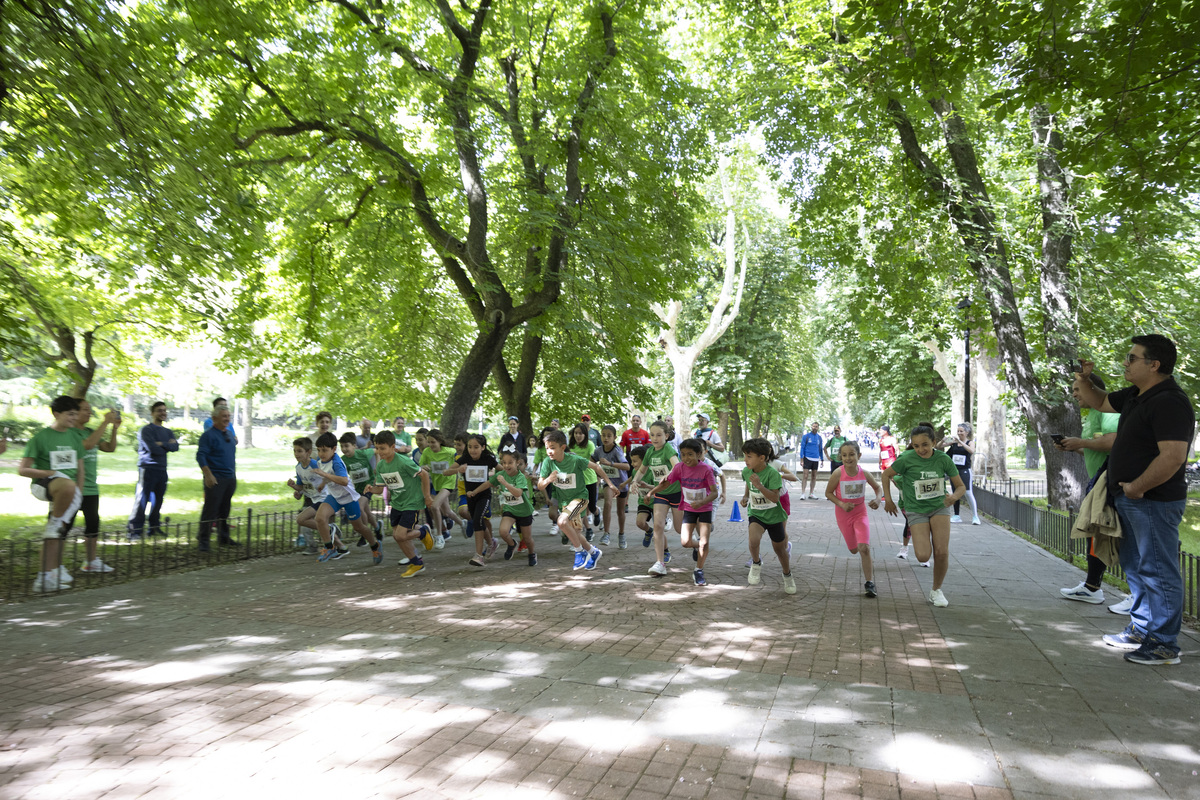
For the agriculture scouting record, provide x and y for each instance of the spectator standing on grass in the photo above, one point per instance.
(154, 441)
(1096, 440)
(220, 402)
(217, 456)
(1146, 477)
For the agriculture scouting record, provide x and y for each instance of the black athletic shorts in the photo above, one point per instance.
(519, 522)
(776, 530)
(403, 519)
(692, 517)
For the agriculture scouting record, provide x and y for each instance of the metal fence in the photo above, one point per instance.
(1010, 487)
(1052, 530)
(258, 535)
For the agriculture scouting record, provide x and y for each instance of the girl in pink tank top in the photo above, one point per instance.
(847, 490)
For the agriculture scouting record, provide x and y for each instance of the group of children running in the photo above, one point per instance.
(436, 485)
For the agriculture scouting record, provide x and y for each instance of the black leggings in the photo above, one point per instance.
(90, 508)
(593, 493)
(479, 507)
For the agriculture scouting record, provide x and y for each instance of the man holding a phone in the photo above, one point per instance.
(1146, 476)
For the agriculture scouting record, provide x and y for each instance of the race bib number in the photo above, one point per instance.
(612, 472)
(660, 472)
(477, 474)
(439, 466)
(959, 460)
(506, 499)
(360, 475)
(759, 502)
(63, 459)
(392, 480)
(694, 496)
(853, 490)
(929, 488)
(564, 480)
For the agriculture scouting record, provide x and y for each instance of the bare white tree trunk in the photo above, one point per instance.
(683, 359)
(247, 411)
(991, 437)
(951, 367)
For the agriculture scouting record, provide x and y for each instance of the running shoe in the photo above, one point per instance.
(695, 553)
(580, 559)
(1123, 607)
(755, 576)
(869, 588)
(621, 543)
(96, 565)
(439, 543)
(46, 583)
(533, 559)
(490, 548)
(413, 569)
(1129, 639)
(657, 569)
(938, 599)
(64, 577)
(362, 542)
(1157, 655)
(648, 539)
(477, 561)
(698, 577)
(376, 555)
(956, 518)
(903, 554)
(426, 537)
(522, 547)
(341, 552)
(326, 554)
(666, 556)
(592, 557)
(1083, 594)
(508, 552)
(468, 529)
(976, 521)
(605, 540)
(789, 584)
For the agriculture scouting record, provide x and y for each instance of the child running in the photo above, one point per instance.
(581, 445)
(644, 518)
(339, 496)
(566, 472)
(847, 491)
(535, 474)
(358, 464)
(610, 456)
(304, 485)
(659, 460)
(436, 458)
(475, 465)
(699, 489)
(922, 472)
(765, 514)
(516, 507)
(408, 491)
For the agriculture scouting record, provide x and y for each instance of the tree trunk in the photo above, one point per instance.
(517, 393)
(736, 436)
(951, 366)
(758, 420)
(1032, 450)
(247, 442)
(468, 386)
(969, 205)
(187, 411)
(723, 429)
(991, 435)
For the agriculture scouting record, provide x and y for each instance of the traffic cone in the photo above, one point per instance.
(736, 516)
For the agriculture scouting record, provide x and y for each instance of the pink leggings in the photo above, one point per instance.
(854, 525)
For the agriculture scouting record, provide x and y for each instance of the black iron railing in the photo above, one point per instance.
(1052, 530)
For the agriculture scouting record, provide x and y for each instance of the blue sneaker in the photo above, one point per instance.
(698, 577)
(1129, 639)
(326, 554)
(666, 556)
(376, 555)
(468, 529)
(580, 559)
(449, 523)
(593, 557)
(1153, 655)
(648, 539)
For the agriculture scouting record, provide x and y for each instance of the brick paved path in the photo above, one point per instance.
(288, 678)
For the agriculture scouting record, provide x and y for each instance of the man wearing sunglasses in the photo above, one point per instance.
(1146, 478)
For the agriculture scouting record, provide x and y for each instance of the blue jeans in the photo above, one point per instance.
(1150, 558)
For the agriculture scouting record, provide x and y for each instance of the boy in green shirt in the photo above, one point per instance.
(764, 513)
(53, 460)
(567, 472)
(408, 491)
(358, 464)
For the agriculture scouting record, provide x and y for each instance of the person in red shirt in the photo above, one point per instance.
(635, 436)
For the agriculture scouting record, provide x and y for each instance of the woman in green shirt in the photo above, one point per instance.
(923, 471)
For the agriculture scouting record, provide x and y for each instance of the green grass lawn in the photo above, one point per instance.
(262, 485)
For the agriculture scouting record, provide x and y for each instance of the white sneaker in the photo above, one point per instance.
(938, 599)
(553, 530)
(658, 569)
(1123, 607)
(926, 564)
(64, 577)
(47, 582)
(903, 553)
(439, 543)
(1083, 594)
(96, 565)
(534, 514)
(789, 584)
(976, 521)
(755, 576)
(956, 518)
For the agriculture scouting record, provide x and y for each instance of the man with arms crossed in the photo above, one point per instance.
(1146, 476)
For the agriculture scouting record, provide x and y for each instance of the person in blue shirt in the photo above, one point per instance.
(217, 457)
(812, 451)
(153, 443)
(220, 402)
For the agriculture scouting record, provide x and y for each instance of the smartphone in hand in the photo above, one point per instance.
(1057, 437)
